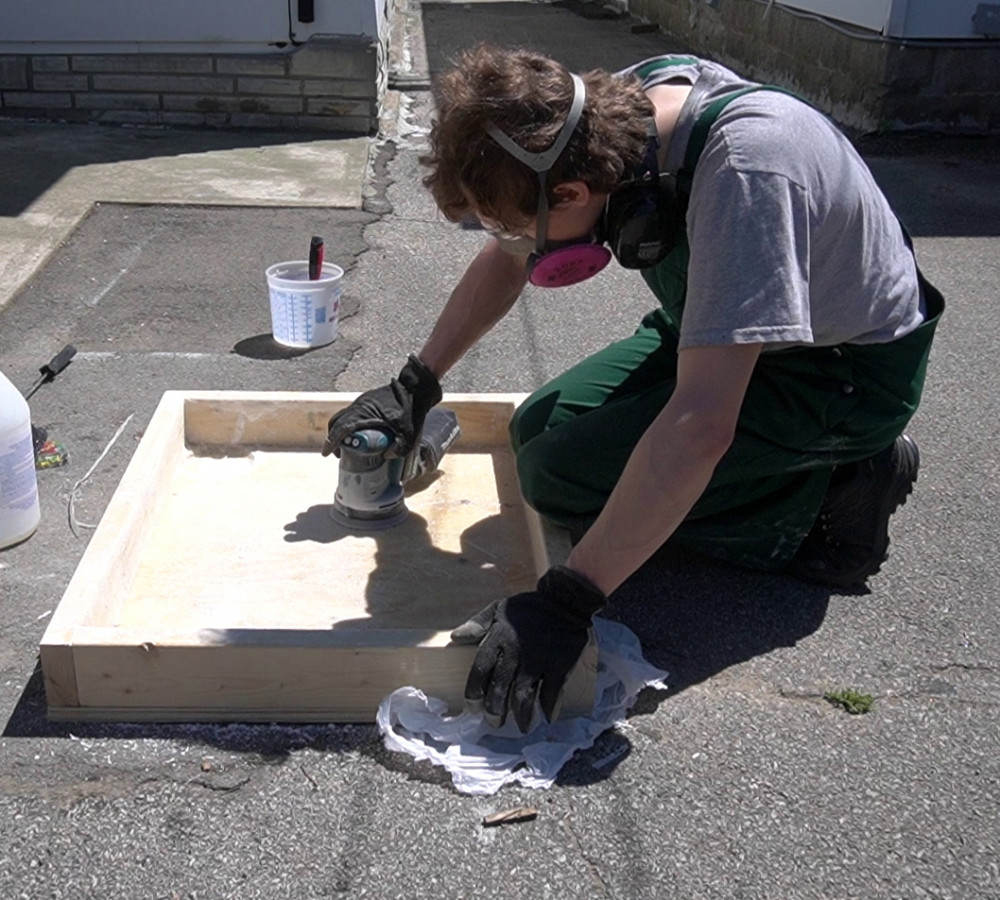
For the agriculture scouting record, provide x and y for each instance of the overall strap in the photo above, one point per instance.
(654, 65)
(699, 133)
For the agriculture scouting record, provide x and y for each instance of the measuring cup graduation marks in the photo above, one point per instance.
(304, 313)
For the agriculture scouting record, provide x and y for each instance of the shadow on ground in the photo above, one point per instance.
(697, 617)
(694, 618)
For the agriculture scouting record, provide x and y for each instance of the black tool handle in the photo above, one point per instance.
(58, 362)
(52, 368)
(316, 249)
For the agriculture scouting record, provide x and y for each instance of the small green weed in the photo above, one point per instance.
(851, 701)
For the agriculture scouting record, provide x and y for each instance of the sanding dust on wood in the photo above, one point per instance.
(248, 542)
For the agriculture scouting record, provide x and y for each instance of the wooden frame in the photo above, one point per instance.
(190, 604)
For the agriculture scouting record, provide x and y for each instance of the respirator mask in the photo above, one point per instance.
(640, 223)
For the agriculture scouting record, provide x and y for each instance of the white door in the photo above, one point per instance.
(131, 26)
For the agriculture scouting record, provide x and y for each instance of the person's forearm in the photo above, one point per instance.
(666, 474)
(485, 294)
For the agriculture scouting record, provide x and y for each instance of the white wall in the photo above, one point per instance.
(80, 26)
(933, 18)
(871, 14)
(898, 18)
(340, 17)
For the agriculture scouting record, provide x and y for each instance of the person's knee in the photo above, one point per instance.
(546, 478)
(533, 470)
(532, 418)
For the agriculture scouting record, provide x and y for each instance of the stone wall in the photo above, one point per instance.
(864, 82)
(329, 84)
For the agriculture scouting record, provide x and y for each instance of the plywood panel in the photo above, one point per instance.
(252, 542)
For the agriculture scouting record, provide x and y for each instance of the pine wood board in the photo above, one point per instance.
(217, 587)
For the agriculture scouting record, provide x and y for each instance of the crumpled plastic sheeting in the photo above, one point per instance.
(482, 759)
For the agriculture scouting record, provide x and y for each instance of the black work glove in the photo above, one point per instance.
(528, 644)
(399, 407)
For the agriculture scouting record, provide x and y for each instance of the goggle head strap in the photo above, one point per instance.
(542, 163)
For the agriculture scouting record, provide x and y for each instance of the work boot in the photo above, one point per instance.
(850, 539)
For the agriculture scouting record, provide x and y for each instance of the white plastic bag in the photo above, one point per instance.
(482, 759)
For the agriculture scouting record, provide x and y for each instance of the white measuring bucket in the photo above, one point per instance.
(304, 312)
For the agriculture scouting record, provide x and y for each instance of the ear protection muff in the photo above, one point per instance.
(642, 219)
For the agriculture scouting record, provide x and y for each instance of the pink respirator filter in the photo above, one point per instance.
(568, 265)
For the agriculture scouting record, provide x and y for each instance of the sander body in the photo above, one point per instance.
(370, 494)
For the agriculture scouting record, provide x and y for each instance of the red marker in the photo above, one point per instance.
(315, 258)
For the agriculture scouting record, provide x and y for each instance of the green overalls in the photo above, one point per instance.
(806, 410)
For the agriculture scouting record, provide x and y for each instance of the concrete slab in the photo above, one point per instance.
(58, 172)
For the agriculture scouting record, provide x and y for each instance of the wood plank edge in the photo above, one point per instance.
(206, 715)
(225, 422)
(123, 526)
(89, 637)
(59, 676)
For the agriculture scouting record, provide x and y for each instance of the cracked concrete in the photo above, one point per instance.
(61, 171)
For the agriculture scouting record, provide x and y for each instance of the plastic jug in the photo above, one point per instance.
(19, 509)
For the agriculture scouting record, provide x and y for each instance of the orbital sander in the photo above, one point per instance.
(370, 494)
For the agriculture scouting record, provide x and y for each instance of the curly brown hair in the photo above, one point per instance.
(527, 96)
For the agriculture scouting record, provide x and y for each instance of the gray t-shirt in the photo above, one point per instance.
(792, 241)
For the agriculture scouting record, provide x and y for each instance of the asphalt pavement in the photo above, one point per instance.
(146, 249)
